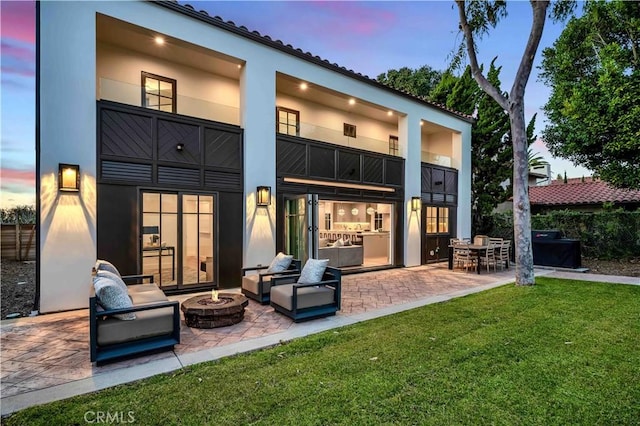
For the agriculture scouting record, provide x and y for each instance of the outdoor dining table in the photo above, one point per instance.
(478, 249)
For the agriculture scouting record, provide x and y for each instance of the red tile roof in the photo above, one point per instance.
(574, 192)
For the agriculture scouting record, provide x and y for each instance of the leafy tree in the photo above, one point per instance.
(18, 214)
(477, 18)
(594, 73)
(418, 82)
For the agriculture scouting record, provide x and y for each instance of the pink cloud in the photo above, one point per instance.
(19, 20)
(18, 176)
(366, 20)
(18, 52)
(21, 71)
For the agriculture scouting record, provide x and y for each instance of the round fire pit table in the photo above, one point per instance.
(202, 312)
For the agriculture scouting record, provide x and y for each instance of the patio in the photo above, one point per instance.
(47, 357)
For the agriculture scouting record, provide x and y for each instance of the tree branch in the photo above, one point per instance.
(473, 59)
(526, 63)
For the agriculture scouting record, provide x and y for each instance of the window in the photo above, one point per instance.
(288, 121)
(349, 130)
(377, 221)
(437, 220)
(327, 221)
(158, 92)
(393, 145)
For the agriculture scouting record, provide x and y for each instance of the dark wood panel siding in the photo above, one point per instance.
(128, 172)
(349, 167)
(230, 226)
(372, 169)
(211, 152)
(322, 162)
(126, 134)
(173, 134)
(394, 172)
(306, 158)
(439, 185)
(117, 226)
(222, 149)
(222, 180)
(291, 158)
(178, 177)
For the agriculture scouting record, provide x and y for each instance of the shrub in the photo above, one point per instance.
(603, 235)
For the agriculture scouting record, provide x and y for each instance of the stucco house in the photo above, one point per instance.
(174, 143)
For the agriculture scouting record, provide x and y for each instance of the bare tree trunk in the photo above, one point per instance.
(521, 205)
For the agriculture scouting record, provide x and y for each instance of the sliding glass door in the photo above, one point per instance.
(177, 239)
(300, 226)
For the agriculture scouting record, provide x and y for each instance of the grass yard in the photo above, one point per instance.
(561, 352)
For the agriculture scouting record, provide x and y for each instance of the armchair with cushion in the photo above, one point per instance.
(314, 293)
(257, 286)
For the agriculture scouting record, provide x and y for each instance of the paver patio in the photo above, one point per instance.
(52, 350)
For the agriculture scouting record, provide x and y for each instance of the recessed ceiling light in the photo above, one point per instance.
(352, 101)
(303, 86)
(159, 40)
(421, 123)
(389, 113)
(239, 66)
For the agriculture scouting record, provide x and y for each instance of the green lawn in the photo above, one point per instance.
(561, 352)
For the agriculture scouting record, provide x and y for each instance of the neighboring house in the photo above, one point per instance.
(587, 196)
(204, 147)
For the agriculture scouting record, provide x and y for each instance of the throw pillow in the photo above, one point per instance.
(313, 271)
(112, 276)
(338, 243)
(112, 296)
(347, 243)
(280, 263)
(106, 266)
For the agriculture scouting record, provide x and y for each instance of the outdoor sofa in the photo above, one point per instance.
(149, 322)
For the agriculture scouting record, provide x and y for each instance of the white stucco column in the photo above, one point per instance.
(409, 137)
(461, 153)
(257, 117)
(67, 135)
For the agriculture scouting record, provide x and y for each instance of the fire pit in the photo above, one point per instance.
(205, 312)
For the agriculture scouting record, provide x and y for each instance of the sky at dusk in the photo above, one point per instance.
(366, 37)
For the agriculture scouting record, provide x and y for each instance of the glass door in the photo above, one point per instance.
(300, 226)
(436, 234)
(177, 239)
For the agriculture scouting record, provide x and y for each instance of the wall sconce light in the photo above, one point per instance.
(68, 177)
(263, 196)
(180, 147)
(416, 203)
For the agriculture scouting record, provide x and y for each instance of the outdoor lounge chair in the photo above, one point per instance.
(258, 286)
(303, 301)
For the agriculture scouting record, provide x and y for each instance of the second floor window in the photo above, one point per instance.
(393, 145)
(350, 130)
(288, 121)
(158, 92)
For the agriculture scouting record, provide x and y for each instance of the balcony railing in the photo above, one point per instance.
(131, 94)
(324, 134)
(433, 158)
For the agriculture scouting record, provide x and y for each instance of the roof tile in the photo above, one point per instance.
(576, 192)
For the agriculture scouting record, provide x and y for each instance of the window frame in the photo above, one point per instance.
(393, 145)
(288, 111)
(349, 130)
(174, 91)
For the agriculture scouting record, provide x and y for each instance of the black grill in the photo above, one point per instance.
(550, 249)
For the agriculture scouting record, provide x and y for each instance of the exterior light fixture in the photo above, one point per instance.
(263, 196)
(416, 203)
(180, 147)
(68, 177)
(159, 40)
(304, 86)
(389, 113)
(421, 123)
(352, 101)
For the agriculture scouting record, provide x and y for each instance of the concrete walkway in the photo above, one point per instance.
(46, 358)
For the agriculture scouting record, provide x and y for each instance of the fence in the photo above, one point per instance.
(18, 241)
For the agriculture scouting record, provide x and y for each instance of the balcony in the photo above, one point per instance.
(336, 137)
(131, 94)
(438, 159)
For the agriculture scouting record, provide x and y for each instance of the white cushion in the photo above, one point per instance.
(313, 271)
(338, 243)
(103, 265)
(114, 277)
(112, 296)
(280, 263)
